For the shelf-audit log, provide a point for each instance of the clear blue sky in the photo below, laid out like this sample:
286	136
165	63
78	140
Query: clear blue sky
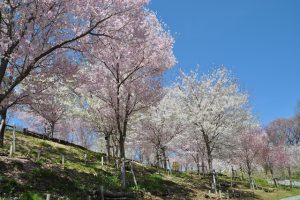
259	40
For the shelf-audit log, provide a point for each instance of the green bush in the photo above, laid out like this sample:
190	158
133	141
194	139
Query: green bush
30	196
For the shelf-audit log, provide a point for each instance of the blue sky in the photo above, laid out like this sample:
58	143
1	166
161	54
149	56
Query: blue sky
259	40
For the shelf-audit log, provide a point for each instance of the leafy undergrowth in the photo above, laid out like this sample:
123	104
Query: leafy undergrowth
36	170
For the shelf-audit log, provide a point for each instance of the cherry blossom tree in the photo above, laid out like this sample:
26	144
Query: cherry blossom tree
215	106
32	33
250	145
158	126
273	154
126	76
94	112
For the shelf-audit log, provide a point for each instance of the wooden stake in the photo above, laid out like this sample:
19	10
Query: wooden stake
14	139
134	179
38	155
11	151
63	161
123	174
102	192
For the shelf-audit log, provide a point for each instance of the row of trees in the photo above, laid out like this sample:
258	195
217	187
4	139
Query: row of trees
58	53
205	118
83	70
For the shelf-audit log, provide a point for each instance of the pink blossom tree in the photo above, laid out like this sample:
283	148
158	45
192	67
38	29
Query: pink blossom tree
249	147
32	33
273	154
126	76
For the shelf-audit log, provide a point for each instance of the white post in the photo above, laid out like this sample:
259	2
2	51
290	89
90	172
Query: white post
102	192
11	151
220	194
38	155
214	184
48	197
14	138
117	163
209	194
85	157
63	161
123	174
228	195
28	153
102	161
134	179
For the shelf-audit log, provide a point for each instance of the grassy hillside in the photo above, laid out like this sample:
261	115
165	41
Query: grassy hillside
26	177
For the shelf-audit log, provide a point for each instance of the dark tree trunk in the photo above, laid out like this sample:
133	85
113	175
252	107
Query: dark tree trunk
157	158
164	158
208	151
203	166
122	146
209	160
52	126
3	113
289	171
107	139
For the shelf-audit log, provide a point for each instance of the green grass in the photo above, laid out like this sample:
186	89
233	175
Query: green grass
31	196
27	177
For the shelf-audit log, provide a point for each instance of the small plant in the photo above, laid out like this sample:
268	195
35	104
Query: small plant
30	196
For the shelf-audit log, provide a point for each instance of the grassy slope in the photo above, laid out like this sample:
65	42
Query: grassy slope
26	177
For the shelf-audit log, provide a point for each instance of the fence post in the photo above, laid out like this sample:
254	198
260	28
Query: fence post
63	161
11	151
123	174
220	194
117	163
102	161
134	179
14	138
48	197
38	155
102	192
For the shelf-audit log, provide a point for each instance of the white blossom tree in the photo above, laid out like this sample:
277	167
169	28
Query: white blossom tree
215	106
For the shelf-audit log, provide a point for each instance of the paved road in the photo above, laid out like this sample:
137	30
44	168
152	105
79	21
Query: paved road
292	198
286	182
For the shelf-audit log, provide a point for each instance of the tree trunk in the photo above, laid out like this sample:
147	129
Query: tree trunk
122	146
107	138
208	151
209	160
197	161
122	156
52	126
203	166
274	179
157	158
164	158
289	171
3	113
